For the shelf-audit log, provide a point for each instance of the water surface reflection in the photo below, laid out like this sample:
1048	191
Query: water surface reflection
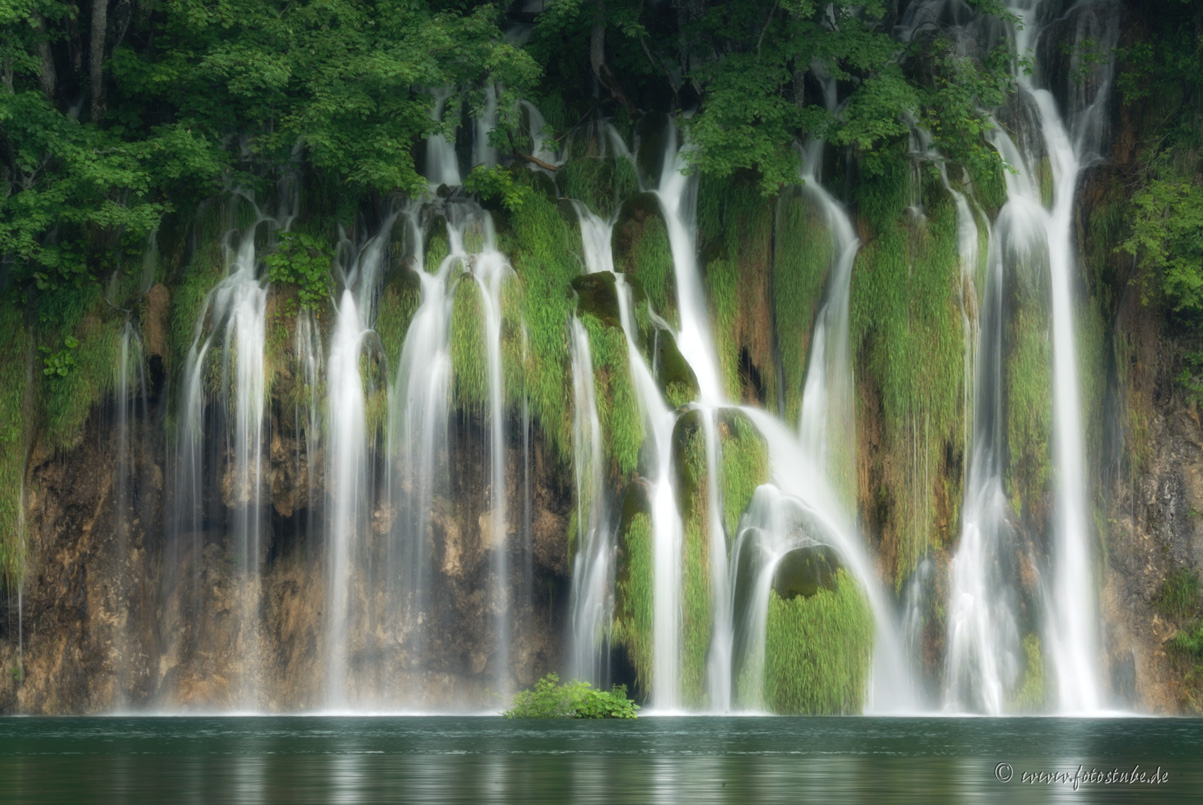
657	760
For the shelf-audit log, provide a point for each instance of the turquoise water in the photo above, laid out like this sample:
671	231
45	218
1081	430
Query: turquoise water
698	760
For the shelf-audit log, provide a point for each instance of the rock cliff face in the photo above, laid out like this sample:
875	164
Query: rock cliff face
107	620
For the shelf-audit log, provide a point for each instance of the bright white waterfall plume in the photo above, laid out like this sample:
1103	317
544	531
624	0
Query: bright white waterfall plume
234	322
827	426
419	426
442	164
984	653
419	407
1073	140
349	474
1033	235
593	571
490	270
130	409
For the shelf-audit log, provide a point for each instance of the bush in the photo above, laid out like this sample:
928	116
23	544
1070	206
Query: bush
575	699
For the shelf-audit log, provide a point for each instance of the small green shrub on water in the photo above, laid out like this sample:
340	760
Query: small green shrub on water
575	699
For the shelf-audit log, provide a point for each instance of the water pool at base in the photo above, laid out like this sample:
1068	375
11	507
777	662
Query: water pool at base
438	759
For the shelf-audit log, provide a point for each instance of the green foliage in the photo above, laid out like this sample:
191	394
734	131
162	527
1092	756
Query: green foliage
303	261
1028	379
1179	595
68	397
801	259
904	303
469	357
818	651
633	596
543	247
1167	238
398	304
60	363
498	184
575	699
602	184
745	466
642	251
735	228
692	487
617	406
1029	694
14	438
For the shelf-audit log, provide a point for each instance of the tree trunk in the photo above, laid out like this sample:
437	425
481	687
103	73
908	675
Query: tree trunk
100	20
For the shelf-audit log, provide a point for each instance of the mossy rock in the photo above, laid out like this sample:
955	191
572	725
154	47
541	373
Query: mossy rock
437	245
674	375
600	182
652	131
633	589
642	250
744	457
818	651
597	296
805	571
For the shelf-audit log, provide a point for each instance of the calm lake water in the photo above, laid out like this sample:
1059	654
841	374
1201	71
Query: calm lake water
695	760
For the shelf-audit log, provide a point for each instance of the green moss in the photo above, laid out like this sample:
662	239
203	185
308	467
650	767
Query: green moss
514	342
1179	595
745	465
633	597
674	375
905	324
689	462
723	285
642	250
398	303
735	232
68	400
1044	176
469	358
1027	378
818	651
802	257
1029	694
14	439
191	288
601	183
544	250
437	247
617	406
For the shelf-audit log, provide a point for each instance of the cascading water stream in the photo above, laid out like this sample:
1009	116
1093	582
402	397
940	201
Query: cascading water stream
985	657
1073	617
351	491
236	311
593	570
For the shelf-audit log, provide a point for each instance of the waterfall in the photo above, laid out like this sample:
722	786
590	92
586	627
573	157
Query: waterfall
349	474
130	403
593	570
828	404
442	165
235	315
1073	625
419	406
985	657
